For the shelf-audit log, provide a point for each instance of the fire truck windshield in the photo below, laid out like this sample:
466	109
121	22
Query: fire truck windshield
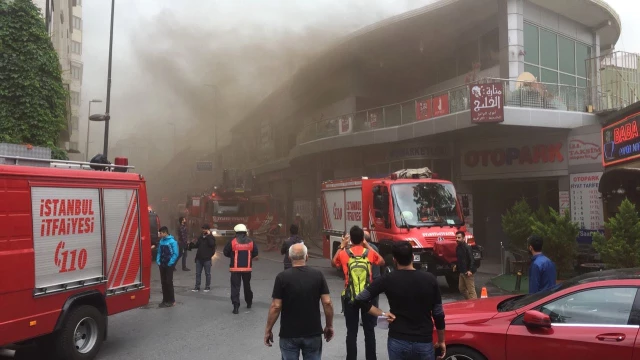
425	204
227	208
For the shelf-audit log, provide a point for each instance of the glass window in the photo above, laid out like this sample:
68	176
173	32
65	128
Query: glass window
548	76
567	49
73	145
395	166
75	97
603	306
531	44
76	72
583	53
548	49
582	82
424	204
567	79
489	49
382	169
534	70
77	23
75	122
76	47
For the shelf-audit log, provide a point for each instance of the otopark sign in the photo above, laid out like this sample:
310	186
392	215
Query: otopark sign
621	141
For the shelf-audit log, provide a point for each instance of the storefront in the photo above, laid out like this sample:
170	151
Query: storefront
383	160
621	159
495	174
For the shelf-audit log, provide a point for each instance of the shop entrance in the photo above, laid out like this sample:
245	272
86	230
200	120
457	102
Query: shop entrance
492	199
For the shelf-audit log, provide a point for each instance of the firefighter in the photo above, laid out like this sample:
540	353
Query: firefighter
241	251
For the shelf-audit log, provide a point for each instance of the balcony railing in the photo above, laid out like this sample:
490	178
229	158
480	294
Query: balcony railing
451	101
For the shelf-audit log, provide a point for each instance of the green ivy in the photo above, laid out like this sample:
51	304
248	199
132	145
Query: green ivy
621	250
32	96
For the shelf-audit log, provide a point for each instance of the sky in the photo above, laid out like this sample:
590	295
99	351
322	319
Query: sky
177	63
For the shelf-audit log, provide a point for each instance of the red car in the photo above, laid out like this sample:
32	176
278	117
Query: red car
592	316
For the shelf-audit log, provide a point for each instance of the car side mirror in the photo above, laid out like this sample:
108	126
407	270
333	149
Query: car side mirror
536	319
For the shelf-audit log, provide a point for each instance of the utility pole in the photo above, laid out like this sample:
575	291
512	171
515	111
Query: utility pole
108	104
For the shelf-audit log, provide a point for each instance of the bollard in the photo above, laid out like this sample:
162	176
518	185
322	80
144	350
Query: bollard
518	280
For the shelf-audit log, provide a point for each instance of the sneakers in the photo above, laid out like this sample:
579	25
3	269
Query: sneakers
207	289
196	289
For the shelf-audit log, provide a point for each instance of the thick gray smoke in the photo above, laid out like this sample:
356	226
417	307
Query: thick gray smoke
189	75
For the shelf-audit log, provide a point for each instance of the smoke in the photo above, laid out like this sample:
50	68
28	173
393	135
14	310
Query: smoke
186	72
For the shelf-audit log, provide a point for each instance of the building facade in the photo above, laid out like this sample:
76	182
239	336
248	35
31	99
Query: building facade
63	19
407	92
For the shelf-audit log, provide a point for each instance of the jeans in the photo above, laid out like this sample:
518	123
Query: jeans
236	278
311	348
352	318
183	254
206	265
407	350
166	279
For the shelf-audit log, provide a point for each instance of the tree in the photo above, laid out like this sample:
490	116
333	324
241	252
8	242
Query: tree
32	97
516	224
621	250
559	234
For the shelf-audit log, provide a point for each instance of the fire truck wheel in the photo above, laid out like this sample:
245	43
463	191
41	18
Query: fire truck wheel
453	281
82	334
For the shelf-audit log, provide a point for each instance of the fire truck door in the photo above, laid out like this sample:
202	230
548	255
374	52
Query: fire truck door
122	230
381	206
67	238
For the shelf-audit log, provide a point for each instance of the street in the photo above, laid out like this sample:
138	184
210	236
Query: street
201	324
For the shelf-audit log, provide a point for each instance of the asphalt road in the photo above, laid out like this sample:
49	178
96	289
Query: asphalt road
202	325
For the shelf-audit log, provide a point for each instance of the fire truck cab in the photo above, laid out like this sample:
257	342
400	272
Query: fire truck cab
74	249
410	205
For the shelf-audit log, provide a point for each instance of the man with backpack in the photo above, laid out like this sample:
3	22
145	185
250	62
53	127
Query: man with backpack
355	257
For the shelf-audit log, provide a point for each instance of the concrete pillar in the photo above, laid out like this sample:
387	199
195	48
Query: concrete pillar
511	24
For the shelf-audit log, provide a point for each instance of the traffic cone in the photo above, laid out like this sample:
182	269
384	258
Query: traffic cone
483	293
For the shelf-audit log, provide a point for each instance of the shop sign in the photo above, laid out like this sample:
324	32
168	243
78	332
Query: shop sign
345	124
587	209
440	105
509	158
418	151
486	103
565	201
423	109
584	149
621	141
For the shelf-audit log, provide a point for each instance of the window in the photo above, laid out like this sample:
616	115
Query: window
76	71
567	55
76	47
77	2
603	306
77	23
75	122
73	145
531	44
75	98
548	50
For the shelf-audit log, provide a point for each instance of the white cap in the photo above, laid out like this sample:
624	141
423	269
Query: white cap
240	228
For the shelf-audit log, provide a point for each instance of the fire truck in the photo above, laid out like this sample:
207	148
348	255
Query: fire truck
225	208
74	249
410	205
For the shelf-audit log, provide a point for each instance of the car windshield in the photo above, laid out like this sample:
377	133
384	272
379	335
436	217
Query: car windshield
227	208
519	301
425	204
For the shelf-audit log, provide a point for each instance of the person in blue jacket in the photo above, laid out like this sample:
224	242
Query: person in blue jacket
166	258
542	272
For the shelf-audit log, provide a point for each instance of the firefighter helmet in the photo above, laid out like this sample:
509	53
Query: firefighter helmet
240	228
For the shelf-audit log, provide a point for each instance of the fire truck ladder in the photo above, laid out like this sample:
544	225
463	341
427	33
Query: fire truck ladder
65	164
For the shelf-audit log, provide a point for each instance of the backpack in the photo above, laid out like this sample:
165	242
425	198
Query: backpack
359	270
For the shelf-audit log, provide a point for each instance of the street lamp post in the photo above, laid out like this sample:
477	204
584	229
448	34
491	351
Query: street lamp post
86	147
108	104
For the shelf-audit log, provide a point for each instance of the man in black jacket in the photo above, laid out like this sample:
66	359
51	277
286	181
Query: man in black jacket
466	267
206	245
294	239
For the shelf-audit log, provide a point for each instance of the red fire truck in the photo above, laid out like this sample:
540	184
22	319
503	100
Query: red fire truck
409	205
226	208
74	249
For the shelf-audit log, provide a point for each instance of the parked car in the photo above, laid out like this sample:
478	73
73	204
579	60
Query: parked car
592	316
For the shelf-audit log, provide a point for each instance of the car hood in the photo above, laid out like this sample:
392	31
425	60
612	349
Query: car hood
472	311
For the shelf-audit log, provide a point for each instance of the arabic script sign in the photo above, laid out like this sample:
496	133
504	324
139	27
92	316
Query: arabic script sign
486	103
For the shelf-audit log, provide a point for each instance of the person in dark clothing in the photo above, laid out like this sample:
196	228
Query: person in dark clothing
206	245
166	260
292	240
466	267
183	242
542	271
296	293
242	251
415	306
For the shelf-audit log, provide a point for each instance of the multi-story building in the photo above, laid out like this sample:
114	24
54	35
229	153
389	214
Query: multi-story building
403	93
63	19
